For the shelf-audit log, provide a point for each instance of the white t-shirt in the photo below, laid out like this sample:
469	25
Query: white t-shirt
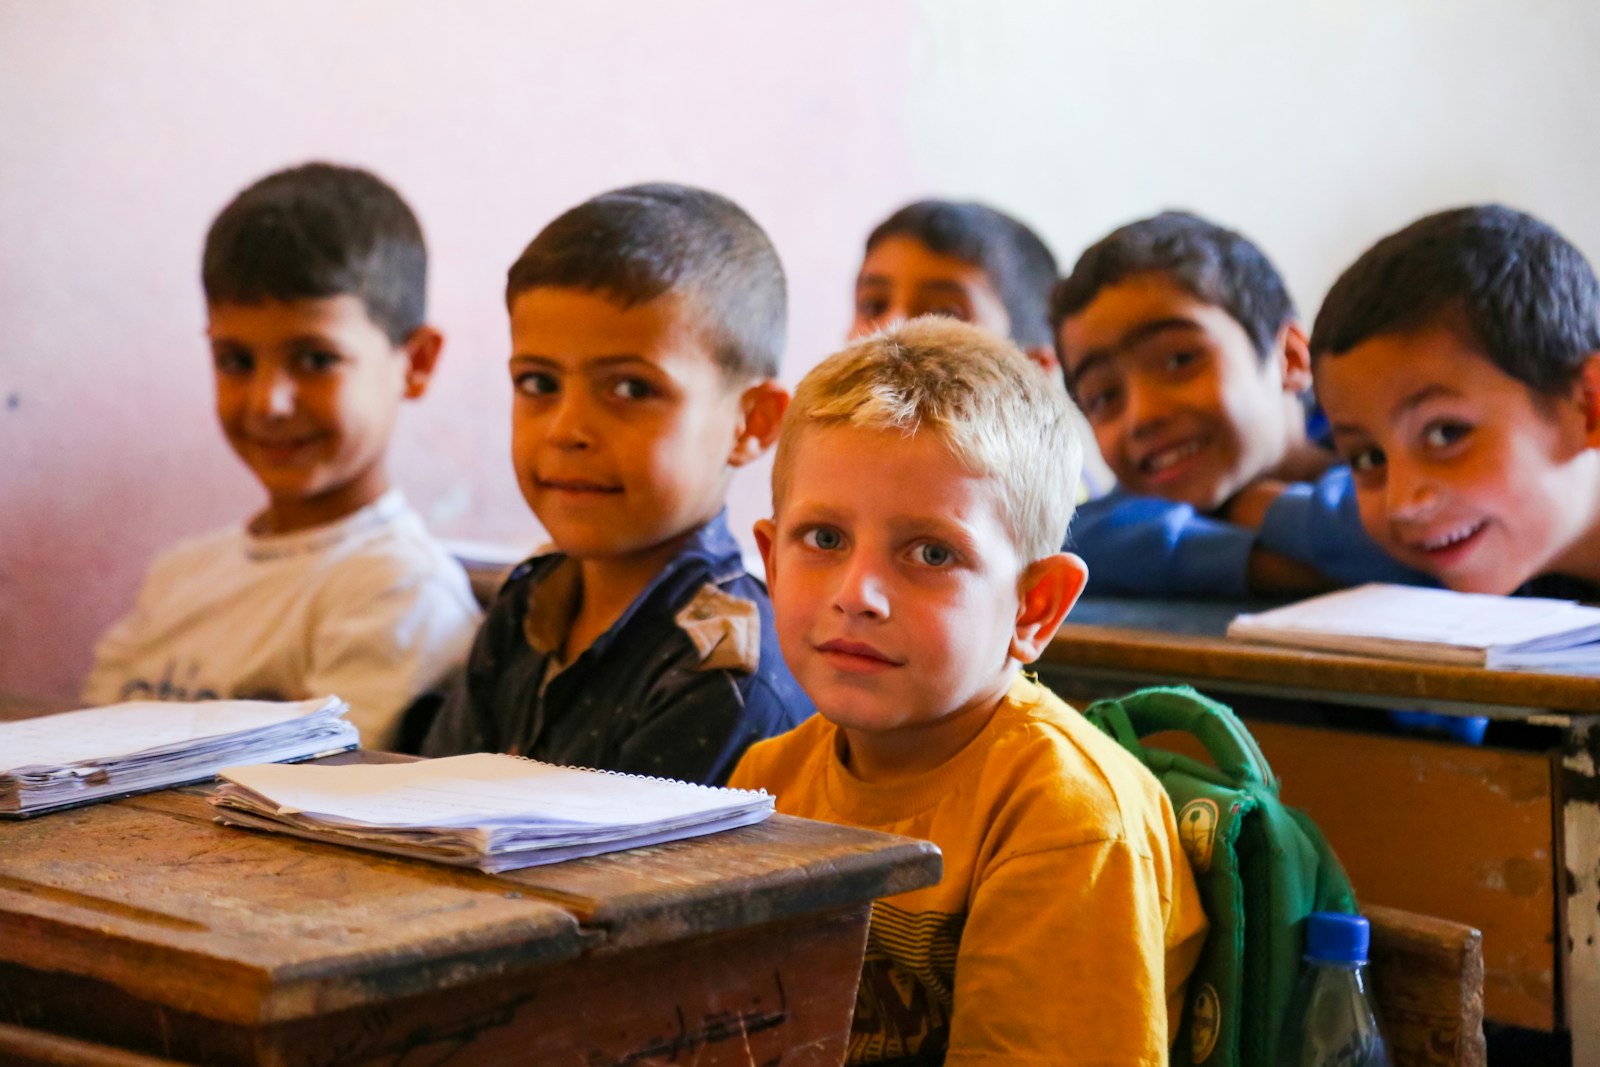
368	608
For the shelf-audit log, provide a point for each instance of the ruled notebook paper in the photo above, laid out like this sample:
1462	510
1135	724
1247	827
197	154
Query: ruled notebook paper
490	811
75	757
1437	625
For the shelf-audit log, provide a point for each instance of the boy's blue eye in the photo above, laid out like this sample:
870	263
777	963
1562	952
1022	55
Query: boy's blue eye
1444	433
534	383
824	538
934	555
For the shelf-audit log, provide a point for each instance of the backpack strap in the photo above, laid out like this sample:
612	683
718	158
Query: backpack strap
1151	711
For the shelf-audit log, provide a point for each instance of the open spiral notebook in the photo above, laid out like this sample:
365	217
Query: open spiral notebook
493	812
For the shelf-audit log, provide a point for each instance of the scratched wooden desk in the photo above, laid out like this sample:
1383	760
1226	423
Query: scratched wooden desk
1504	840
142	925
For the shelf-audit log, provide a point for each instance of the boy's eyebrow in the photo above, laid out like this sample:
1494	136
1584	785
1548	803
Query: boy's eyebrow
939	285
1134	337
597	363
1420	397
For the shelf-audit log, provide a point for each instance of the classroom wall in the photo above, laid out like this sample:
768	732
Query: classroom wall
126	124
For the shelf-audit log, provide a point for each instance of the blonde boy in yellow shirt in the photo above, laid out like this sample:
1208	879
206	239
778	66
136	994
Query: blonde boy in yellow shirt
919	504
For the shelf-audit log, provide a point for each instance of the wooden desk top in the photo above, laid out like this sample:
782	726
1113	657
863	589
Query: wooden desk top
1183	642
151	896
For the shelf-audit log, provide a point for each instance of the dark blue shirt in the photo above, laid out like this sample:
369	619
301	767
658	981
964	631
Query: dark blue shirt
659	693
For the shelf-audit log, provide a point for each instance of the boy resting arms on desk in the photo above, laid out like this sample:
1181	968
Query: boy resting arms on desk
1459	362
315	279
914	564
646	328
1180	343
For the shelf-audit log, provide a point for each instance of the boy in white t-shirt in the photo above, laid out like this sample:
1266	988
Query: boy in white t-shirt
314	280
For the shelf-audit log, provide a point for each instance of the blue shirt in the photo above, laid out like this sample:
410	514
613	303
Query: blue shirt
679	686
1149	546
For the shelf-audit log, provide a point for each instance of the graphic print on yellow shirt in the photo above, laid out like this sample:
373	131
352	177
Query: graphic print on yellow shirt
907	990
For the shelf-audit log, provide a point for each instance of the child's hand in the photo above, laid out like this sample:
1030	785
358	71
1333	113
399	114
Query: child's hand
1273	575
1248	507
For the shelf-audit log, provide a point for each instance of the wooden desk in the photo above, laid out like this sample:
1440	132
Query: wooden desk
143	925
1507	841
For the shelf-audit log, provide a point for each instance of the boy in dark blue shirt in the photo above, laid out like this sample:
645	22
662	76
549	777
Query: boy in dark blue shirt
646	326
1180	343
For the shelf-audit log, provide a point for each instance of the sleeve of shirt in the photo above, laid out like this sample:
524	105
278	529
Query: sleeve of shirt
1319	524
1147	546
1063	961
383	638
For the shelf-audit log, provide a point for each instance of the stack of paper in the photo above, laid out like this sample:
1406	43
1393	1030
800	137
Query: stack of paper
56	761
1407	622
493	812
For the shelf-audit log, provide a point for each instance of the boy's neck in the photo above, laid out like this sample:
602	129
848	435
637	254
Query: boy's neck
610	585
1582	560
285	515
891	755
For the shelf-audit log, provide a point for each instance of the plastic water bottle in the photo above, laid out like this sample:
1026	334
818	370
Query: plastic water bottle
1330	1021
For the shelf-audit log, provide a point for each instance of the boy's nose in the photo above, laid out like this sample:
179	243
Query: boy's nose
1144	409
1410	494
272	394
862	591
570	424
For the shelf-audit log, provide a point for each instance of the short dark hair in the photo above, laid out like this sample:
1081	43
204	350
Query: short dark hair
321	230
636	244
1018	263
1526	297
1212	263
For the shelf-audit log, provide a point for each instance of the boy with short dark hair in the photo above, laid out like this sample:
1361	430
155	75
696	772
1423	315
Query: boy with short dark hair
315	281
646	328
1459	362
915	565
1180	343
965	261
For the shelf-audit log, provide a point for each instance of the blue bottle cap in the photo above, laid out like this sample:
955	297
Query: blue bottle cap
1335	938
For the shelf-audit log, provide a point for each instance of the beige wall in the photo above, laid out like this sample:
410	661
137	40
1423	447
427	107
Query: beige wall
125	124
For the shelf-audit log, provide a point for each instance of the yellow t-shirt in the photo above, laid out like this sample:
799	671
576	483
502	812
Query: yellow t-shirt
1066	921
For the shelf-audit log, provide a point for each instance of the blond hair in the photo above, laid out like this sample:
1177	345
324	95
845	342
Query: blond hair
999	415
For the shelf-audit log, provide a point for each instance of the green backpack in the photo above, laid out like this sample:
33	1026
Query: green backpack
1261	868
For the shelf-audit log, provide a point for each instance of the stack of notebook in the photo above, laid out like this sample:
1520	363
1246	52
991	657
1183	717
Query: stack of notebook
1406	622
56	761
493	812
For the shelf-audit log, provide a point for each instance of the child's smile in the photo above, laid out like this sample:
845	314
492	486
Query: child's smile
1461	470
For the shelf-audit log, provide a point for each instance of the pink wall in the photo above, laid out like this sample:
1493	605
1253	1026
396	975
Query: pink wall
129	123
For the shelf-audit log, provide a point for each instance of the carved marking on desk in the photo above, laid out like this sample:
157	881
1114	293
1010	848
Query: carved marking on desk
426	1046
714	1028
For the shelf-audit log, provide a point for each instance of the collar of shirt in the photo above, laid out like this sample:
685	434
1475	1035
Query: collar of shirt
711	555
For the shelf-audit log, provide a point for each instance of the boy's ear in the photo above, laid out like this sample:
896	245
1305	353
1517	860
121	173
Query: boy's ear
1589	383
766	530
761	413
1046	592
1294	350
1045	358
422	356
